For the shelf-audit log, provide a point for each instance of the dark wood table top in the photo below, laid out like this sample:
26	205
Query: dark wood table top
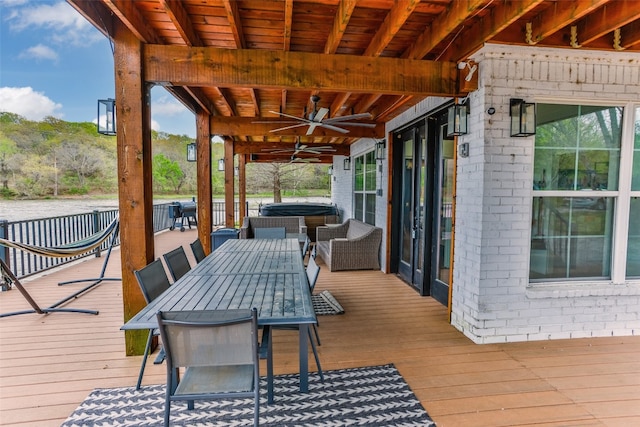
241	273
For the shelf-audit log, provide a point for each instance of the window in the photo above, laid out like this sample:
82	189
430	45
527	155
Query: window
633	246
577	186
365	188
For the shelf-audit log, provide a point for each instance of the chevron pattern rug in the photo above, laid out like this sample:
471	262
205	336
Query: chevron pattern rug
372	396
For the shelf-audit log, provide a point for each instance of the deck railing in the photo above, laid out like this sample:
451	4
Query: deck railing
62	230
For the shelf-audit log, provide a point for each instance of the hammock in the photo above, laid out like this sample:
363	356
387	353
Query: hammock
67	250
70	249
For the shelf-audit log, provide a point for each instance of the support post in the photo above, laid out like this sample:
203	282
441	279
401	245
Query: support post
203	178
229	188
135	190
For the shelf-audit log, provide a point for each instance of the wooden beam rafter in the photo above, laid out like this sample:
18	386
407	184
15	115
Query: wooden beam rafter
206	66
129	15
242	126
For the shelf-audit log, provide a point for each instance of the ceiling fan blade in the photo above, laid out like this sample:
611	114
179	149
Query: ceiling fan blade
300	119
320	115
332	127
349	117
362	125
312	127
288	127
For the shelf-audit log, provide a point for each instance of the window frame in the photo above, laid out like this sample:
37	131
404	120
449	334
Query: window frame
621	197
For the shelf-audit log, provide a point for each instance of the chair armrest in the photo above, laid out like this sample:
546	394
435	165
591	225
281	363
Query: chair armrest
302	225
244	230
359	253
328	232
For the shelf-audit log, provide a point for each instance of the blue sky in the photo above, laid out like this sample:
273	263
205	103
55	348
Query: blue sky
54	63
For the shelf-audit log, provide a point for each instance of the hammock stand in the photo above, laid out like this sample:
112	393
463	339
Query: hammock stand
76	248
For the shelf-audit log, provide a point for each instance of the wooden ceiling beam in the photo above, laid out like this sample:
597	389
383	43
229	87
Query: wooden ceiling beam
127	12
629	35
235	24
612	15
288	24
489	26
340	22
180	18
393	22
201	99
241	126
558	16
207	66
442	27
96	13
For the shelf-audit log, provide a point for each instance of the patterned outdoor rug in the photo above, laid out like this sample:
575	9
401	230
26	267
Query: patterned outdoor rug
372	396
325	303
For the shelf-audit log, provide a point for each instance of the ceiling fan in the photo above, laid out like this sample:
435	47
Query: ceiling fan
302	148
295	159
317	119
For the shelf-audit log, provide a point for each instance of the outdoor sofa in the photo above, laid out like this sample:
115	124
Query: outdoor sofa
352	245
292	224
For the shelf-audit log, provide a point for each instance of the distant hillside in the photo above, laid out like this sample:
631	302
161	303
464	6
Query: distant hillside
54	158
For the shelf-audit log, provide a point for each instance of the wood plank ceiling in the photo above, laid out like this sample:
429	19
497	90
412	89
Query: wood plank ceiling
243	60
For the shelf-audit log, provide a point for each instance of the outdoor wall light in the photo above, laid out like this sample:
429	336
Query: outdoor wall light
191	152
346	164
457	121
107	116
330	170
380	148
523	117
220	165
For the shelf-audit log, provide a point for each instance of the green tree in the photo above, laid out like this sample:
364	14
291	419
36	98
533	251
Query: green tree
167	174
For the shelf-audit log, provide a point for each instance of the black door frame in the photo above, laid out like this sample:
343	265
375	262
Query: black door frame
430	285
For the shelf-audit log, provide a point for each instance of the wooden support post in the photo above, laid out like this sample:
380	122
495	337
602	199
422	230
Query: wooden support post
229	190
242	186
205	214
135	190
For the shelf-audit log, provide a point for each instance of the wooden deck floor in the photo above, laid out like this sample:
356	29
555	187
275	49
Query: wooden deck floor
48	364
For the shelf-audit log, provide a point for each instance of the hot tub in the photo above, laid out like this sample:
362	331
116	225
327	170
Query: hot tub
314	214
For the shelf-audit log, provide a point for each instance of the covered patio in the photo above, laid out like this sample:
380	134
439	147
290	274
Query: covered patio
49	364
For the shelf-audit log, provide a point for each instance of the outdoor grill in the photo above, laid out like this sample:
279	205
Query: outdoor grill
181	211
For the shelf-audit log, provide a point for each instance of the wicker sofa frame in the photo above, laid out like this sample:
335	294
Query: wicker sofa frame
292	224
352	245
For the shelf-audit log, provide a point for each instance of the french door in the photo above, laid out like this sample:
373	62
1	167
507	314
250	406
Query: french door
423	179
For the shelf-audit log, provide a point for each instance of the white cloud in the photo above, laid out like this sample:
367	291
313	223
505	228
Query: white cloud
67	25
28	103
155	125
39	51
167	107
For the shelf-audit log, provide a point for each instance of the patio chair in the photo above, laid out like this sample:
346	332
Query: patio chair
305	247
270	233
312	270
153	282
198	250
218	350
177	263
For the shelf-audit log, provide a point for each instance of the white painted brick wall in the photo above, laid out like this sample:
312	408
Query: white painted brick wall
492	300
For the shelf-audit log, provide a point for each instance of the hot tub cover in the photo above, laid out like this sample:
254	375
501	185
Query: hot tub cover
298	209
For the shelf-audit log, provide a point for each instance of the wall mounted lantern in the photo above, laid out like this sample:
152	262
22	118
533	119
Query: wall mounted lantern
457	120
346	164
220	165
380	148
107	116
330	170
191	152
523	117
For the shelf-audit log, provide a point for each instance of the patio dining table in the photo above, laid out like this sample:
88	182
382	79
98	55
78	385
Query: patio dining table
241	274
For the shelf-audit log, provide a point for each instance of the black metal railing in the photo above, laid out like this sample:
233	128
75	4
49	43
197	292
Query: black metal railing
67	229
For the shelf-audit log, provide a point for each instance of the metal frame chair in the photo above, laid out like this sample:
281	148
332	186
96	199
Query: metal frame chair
153	282
198	250
177	262
218	353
